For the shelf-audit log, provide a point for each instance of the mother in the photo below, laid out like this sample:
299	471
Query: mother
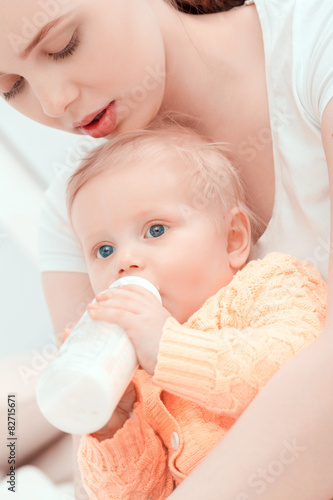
259	77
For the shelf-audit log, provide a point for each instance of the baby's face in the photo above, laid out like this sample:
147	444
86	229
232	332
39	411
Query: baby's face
139	220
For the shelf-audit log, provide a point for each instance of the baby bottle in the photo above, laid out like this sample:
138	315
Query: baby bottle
81	387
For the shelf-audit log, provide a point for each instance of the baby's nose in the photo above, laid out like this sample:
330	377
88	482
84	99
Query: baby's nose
123	269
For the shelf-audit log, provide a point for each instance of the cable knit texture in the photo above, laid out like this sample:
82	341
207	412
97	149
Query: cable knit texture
208	371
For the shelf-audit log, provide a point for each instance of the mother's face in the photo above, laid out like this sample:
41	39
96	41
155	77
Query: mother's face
64	62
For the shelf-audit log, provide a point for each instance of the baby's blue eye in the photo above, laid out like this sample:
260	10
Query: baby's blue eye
104	251
156	230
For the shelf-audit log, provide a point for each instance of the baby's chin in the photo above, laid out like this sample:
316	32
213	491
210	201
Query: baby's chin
181	316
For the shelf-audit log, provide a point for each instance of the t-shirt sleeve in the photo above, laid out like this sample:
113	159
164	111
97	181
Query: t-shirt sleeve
314	30
59	249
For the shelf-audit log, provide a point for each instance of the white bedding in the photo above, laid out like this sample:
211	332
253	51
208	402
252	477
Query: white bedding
32	484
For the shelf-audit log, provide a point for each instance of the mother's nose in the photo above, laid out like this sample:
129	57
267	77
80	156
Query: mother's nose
55	97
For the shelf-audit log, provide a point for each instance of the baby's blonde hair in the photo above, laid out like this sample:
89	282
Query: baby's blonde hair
209	176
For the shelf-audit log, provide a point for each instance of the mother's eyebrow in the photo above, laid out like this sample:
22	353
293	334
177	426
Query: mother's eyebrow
41	35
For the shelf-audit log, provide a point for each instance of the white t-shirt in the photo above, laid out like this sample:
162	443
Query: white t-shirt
298	41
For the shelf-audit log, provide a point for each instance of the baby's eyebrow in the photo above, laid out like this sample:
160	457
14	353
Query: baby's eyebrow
41	35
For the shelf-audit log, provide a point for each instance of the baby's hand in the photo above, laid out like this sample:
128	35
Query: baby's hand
119	416
140	314
65	334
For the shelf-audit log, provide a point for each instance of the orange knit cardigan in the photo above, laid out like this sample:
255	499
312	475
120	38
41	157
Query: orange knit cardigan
208	371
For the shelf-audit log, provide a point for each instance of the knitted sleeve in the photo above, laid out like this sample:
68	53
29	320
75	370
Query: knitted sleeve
132	464
228	350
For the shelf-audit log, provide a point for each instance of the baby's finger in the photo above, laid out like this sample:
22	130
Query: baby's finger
140	290
65	334
118	316
119	301
104	296
125	298
136	289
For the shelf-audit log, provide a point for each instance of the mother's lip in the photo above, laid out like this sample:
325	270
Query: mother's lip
88	119
105	124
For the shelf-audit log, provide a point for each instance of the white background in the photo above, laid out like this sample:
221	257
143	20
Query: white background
29	155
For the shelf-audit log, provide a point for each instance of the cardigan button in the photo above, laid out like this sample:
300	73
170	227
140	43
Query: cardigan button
175	440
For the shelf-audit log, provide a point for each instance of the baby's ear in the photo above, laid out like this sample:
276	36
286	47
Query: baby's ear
238	237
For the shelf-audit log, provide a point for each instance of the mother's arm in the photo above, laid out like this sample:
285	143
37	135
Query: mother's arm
282	445
67	294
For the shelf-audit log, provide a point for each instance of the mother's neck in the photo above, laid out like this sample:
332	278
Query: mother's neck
211	64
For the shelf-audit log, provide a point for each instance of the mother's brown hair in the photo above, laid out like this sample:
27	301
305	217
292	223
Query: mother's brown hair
206	6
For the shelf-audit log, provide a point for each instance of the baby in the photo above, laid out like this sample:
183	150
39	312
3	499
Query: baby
166	205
